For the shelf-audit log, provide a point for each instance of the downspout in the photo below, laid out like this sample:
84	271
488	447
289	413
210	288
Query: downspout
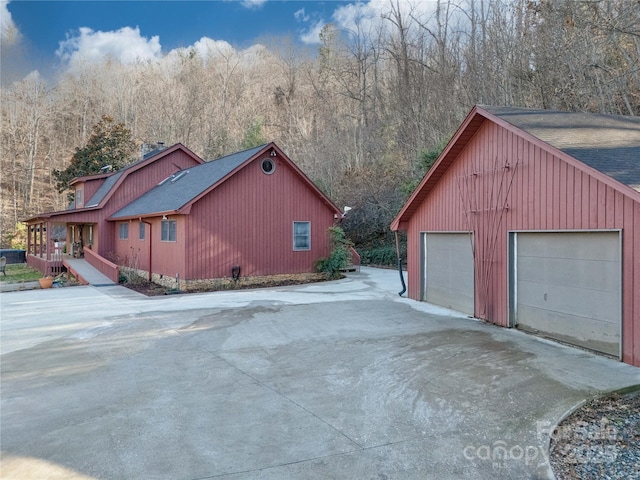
404	287
150	244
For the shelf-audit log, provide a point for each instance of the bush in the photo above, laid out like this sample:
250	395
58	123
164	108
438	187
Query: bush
340	256
386	256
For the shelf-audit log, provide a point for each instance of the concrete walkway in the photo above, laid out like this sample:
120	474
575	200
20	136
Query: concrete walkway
87	273
336	380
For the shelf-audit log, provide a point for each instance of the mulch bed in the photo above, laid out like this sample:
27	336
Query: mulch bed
152	289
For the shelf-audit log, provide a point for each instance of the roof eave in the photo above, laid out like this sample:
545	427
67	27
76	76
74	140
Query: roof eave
186	208
401	221
603	177
127	171
139	216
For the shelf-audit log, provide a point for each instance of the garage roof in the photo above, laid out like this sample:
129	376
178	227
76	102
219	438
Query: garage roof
609	144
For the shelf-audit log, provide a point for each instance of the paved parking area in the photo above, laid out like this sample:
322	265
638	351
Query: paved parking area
339	380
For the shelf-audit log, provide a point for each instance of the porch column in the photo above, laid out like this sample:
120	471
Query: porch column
48	245
29	242
40	240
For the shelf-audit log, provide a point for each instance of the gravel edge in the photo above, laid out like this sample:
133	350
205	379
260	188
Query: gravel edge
600	439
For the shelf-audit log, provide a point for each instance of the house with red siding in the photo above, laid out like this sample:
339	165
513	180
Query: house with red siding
83	230
250	214
531	219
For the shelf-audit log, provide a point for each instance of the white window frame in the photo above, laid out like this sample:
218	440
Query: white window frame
297	247
123	231
165	232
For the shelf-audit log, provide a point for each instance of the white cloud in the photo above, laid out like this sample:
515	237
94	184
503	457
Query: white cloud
350	16
253	4
9	33
208	48
301	16
371	15
311	35
125	45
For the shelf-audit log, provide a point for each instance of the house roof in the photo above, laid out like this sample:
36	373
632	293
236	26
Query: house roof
183	188
108	186
112	180
607	145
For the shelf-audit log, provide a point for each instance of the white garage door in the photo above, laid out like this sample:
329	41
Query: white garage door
568	287
448	270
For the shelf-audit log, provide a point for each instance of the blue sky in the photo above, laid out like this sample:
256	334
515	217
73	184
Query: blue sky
52	36
155	27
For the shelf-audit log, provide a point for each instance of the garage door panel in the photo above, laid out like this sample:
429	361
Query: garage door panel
595	335
586	274
591	274
449	271
569	300
565	245
568	286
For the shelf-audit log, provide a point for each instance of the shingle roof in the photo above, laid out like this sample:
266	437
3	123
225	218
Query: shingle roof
608	143
104	189
183	186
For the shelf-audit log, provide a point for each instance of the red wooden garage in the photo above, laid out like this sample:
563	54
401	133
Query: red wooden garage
531	219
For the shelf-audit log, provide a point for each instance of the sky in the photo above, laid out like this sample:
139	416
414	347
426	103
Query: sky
49	36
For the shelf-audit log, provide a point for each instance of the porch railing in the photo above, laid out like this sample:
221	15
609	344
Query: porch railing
355	258
51	266
101	264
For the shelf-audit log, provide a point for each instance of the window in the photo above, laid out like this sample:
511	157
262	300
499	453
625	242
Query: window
168	231
123	231
302	235
268	166
79	199
141	231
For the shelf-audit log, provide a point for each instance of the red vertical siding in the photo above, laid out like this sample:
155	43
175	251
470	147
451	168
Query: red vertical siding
134	185
169	257
248	221
547	194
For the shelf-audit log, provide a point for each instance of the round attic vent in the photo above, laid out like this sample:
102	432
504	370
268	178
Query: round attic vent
268	166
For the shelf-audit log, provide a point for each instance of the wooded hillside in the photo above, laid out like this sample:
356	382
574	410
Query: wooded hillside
359	115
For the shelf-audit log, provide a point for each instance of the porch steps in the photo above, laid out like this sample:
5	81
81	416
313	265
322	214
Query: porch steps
86	274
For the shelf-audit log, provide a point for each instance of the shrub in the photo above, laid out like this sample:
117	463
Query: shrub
386	256
340	256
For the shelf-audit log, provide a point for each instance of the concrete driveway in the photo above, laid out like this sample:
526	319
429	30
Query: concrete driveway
339	380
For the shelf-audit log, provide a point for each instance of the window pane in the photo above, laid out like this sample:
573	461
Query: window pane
168	231
124	231
301	235
141	230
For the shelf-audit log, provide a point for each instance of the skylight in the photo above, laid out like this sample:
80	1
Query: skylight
179	175
175	177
